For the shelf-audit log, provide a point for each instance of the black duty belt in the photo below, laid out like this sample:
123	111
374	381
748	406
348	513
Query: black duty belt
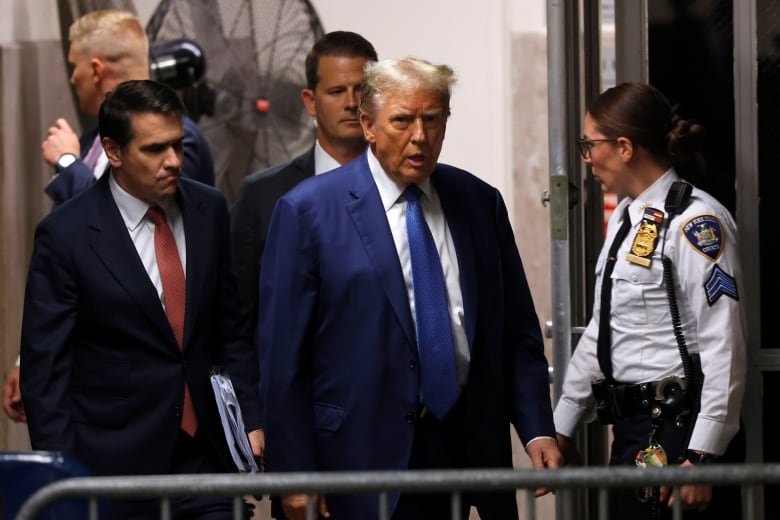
616	401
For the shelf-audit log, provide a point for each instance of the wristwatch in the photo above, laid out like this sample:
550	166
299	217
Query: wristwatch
700	458
65	160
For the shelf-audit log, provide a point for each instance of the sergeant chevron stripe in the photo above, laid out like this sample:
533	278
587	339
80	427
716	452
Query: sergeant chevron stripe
720	283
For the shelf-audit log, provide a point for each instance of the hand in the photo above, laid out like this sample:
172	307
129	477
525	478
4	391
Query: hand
62	139
544	453
12	397
295	506
571	455
257	442
696	497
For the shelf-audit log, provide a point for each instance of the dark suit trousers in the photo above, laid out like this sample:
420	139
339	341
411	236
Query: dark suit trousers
192	455
440	444
437	444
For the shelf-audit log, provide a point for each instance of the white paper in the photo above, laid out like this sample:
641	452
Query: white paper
232	422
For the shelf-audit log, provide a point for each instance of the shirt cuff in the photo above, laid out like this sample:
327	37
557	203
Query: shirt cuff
537	438
567	417
711	436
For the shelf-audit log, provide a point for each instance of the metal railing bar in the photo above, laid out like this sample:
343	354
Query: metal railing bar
93	509
530	504
165	508
603	504
238	508
397	481
455	506
383	514
677	507
747	498
310	507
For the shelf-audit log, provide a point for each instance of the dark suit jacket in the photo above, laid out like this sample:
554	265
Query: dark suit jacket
251	216
197	165
103	377
338	348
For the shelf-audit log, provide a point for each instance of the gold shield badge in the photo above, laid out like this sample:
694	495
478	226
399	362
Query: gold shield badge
646	237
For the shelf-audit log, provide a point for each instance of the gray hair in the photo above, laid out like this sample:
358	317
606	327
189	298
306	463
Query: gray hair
402	77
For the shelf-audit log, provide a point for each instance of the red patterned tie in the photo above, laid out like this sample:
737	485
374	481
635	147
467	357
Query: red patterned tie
174	296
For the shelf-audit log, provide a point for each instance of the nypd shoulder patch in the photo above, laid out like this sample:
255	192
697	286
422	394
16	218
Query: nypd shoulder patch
720	283
705	235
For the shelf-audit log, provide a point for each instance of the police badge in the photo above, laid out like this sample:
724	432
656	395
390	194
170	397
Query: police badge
646	237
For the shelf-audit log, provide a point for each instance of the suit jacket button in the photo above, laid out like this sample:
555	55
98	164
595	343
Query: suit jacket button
410	417
412	364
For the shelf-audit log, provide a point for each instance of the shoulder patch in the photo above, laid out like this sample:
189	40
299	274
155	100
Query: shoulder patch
720	283
705	235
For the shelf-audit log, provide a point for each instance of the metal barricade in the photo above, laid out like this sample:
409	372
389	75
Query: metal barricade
383	482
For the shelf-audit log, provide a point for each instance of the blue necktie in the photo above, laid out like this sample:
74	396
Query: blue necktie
434	335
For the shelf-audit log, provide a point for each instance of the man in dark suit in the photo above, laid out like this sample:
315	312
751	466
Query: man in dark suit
117	342
357	376
107	47
334	70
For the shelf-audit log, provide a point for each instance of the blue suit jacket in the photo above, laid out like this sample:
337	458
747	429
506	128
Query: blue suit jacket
197	165
103	377
337	339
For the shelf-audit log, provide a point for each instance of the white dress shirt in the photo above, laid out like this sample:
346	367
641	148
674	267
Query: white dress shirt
141	230
395	210
323	162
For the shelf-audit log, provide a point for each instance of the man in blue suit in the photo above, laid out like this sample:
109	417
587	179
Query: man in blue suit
348	382
117	346
107	47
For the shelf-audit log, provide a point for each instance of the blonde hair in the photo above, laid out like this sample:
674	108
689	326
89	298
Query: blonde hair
114	36
404	76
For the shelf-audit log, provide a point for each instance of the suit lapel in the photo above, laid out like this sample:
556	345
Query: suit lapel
370	221
110	241
457	215
197	239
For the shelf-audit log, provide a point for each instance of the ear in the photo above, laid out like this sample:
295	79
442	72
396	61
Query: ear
368	128
307	96
113	152
626	148
98	70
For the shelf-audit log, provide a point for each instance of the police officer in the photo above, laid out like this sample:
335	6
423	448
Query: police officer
667	372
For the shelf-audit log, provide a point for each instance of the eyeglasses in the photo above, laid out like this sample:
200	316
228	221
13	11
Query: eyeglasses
586	145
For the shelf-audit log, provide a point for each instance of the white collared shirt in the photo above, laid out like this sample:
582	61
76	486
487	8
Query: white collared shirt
141	230
323	161
395	210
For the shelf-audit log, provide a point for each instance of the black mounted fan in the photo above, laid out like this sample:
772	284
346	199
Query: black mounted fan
248	101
